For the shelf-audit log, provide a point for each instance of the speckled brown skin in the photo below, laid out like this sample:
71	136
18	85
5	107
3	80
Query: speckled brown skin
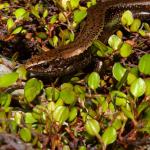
102	20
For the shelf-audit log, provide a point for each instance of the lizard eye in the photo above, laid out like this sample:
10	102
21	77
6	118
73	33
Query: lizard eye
45	65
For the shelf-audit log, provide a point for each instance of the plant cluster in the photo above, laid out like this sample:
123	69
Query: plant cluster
98	110
40	24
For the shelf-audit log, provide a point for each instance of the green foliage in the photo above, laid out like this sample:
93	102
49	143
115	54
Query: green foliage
114	41
17	30
73	114
68	96
32	88
94	80
143	64
118	71
10	24
20	13
135	25
94	107
92	127
61	114
79	15
125	50
25	134
127	18
109	136
5	99
138	87
8	79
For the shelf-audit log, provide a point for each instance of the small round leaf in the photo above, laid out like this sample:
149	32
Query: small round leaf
147	82
125	50
68	96
109	136
94	80
135	25
138	87
79	15
127	18
32	88
114	42
61	114
143	64
8	79
25	134
118	71
92	127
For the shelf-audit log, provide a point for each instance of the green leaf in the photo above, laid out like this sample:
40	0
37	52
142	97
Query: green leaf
59	102
73	114
127	18
138	87
66	147
29	118
146	26
25	134
79	89
74	3
131	77
109	136
142	32
142	107
13	126
104	106
61	114
51	107
19	13
114	42
5	99
18	117
52	93
42	35
91	3
79	15
118	71
53	19
39	112
45	14
111	107
125	50
32	88
10	24
35	12
102	48
4	6
17	30
55	40
8	79
143	64
94	80
68	96
62	17
117	124
67	86
147	113
119	98
22	72
128	113
92	127
147	91
135	25
82	148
